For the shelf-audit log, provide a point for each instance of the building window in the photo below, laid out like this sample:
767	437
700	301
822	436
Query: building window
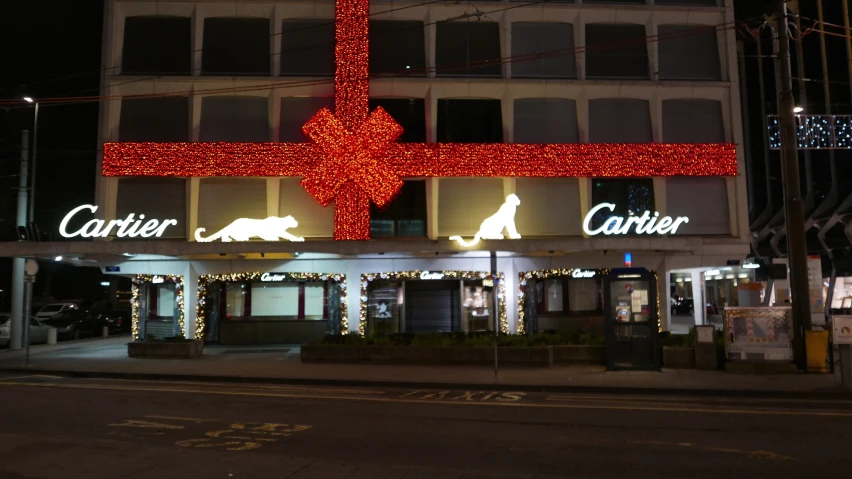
410	113
234	118
295	112
155	198
553	41
307	47
631	196
470	121
688	52
154	119
464	202
619	120
235	46
468	49
405	216
538	214
157	45
693	121
223	200
545	120
397	47
616	51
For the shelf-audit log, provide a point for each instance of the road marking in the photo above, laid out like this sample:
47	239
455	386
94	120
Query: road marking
145	424
446	396
420	401
758	454
31	376
240	437
189	419
687	399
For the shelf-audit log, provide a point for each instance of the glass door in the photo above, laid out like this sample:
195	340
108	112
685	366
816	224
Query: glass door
631	318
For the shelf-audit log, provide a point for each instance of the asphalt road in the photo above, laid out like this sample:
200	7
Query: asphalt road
85	428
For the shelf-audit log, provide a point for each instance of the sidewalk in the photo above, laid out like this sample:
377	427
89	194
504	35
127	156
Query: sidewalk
281	364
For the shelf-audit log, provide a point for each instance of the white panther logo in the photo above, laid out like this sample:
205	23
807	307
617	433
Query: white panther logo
492	227
243	229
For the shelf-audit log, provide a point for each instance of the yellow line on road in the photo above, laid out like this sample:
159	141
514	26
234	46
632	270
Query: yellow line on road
759	453
764	412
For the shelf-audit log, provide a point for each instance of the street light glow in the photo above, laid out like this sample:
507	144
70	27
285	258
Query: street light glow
58	258
798	109
28	99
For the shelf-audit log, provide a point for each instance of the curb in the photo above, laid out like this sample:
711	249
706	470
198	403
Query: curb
837	393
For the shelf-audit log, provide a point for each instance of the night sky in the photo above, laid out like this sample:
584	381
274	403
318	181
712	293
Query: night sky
52	49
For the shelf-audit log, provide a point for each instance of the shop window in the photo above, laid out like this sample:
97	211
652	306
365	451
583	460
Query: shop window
470	121
616	51
584	294
161	319
266	301
630	196
315	220
410	113
464	202
397	47
275	299
545	120
538	215
234	118
295	112
235	46
307	47
384	307
555	41
158	198
468	49
693	121
154	119
619	120
566	296
688	52
405	216
157	45
223	200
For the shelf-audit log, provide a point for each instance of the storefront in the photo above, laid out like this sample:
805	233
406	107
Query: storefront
561	299
270	307
431	302
157	306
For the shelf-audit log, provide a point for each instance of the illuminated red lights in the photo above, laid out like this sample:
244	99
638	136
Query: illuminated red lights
353	158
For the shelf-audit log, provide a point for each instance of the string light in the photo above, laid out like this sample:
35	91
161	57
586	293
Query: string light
545	274
815	132
135	299
205	280
416	275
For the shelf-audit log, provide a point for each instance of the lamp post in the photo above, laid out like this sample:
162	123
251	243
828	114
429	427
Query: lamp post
31	214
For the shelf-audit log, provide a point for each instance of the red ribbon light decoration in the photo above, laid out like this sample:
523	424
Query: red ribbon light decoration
353	157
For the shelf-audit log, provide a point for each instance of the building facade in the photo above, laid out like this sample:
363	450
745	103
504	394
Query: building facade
213	142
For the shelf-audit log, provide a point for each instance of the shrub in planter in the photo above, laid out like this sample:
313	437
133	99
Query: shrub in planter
176	347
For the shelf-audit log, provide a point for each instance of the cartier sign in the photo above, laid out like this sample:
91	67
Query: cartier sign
646	223
130	227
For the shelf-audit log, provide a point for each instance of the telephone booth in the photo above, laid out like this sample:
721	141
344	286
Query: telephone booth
630	307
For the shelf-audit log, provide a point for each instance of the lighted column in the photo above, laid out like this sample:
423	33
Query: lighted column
698	296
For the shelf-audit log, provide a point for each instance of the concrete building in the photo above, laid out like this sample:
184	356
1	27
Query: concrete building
624	73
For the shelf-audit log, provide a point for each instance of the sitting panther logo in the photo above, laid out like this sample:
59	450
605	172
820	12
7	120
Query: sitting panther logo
243	229
492	227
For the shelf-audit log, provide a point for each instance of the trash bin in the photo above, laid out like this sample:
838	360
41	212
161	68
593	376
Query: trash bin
51	336
816	343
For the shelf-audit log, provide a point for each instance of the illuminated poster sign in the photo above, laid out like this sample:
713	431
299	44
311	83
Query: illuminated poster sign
129	227
646	223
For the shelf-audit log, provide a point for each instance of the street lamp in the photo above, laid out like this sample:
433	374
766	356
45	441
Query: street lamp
31	213
798	109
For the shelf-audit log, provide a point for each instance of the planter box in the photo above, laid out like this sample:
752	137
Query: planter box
679	358
579	354
321	353
165	349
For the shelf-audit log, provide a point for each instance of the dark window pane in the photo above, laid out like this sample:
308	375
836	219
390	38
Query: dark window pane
616	51
162	198
470	121
295	112
235	46
307	47
410	113
154	119
688	52
234	118
630	196
619	120
157	45
545	120
693	121
405	215
468	49
532	38
397	47
688	3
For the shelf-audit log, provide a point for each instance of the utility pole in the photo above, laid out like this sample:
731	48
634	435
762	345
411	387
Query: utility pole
796	248
16	329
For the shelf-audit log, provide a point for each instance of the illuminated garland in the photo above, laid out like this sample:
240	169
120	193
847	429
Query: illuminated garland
205	280
543	274
135	294
415	275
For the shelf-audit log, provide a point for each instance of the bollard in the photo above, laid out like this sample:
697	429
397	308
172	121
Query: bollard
51	336
105	332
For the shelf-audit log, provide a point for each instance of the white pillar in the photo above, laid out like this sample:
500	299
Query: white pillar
510	280
698	297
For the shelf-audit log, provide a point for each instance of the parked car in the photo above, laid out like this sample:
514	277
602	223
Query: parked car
53	309
72	323
683	306
117	320
38	330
